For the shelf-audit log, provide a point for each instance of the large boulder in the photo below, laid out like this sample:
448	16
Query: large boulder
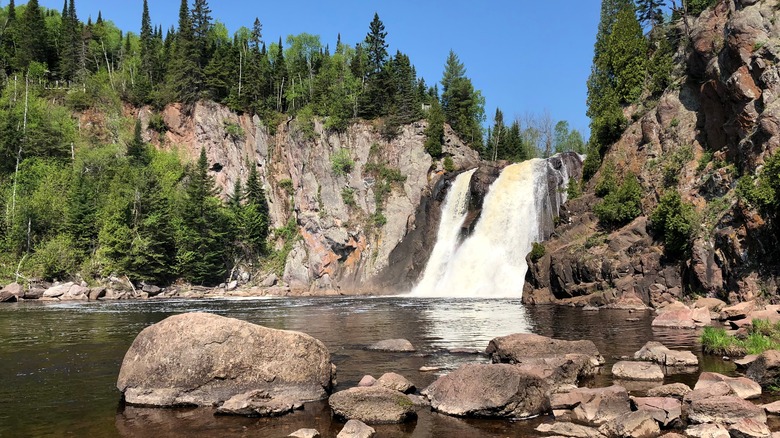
567	369
665	410
737	311
7	297
630	370
592	406
765	369
489	390
14	289
203	359
514	348
678	317
372	405
656	352
723	410
742	387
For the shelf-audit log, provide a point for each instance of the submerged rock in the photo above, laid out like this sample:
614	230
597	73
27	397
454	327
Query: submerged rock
203	359
393	345
372	405
637	371
489	390
258	403
356	429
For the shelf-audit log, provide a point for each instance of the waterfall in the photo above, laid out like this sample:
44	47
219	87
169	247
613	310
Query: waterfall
517	211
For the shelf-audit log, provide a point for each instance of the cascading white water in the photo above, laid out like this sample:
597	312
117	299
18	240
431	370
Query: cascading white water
453	213
491	261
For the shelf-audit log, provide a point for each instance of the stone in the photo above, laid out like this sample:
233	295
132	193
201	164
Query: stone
675	318
305	433
676	390
203	359
592	406
67	291
772	408
569	430
14	289
95	293
367	380
711	304
489	390
665	410
418	400
716	389
257	403
372	405
737	311
656	352
638	424
356	429
269	281
396	382
745	362
765	369
521	346
151	289
749	428
629	370
561	370
233	285
57	291
34	293
723	410
7	297
742	387
707	431
393	345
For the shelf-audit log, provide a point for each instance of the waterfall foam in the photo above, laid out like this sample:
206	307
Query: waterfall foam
491	261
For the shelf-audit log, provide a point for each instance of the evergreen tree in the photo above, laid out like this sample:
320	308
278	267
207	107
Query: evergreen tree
32	37
186	75
434	132
136	149
146	43
279	76
81	214
649	12
201	25
374	100
464	107
8	39
255	218
152	253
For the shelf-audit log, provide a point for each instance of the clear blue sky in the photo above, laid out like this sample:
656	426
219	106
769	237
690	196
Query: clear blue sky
525	55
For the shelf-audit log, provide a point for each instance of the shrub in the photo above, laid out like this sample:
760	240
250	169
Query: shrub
715	340
287	185
621	206
156	123
348	196
573	190
56	258
607	182
378	219
233	130
763	335
674	220
537	252
449	166
341	162
675	163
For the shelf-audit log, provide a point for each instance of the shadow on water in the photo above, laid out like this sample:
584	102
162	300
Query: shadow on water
60	361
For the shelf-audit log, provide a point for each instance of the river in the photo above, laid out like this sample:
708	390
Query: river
59	361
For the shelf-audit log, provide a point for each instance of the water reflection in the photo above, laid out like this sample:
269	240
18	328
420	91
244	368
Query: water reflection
60	361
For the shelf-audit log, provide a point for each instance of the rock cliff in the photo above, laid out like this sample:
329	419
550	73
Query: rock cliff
719	121
353	197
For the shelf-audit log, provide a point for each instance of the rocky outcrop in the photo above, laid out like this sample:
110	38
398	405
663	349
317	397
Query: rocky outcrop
719	121
203	359
489	390
765	369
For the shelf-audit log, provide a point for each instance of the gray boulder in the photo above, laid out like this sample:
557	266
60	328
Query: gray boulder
14	289
676	390
372	405
707	430
203	359
7	297
656	352
393	345
367	380
305	433
396	382
521	346
592	406
489	390
356	429
629	370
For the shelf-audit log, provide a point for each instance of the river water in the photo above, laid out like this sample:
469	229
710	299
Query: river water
59	361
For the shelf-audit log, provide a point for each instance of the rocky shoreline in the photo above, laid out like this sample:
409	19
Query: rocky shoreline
529	376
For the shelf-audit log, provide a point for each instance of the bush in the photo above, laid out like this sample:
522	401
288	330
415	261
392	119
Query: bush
674	220
675	163
763	335
233	130
287	185
573	190
537	252
607	182
621	206
348	196
56	258
156	123
449	166
341	162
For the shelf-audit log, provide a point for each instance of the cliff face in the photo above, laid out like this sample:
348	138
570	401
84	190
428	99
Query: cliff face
721	120
350	217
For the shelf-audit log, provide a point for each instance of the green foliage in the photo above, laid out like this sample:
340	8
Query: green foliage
596	239
448	164
537	252
233	130
341	162
762	335
763	192
696	7
674	164
463	106
592	163
621	205
56	259
434	132
573	189
348	196
661	62
287	185
675	221
157	123
715	340
378	219
704	160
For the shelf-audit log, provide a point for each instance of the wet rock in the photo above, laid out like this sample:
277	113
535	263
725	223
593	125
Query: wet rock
396	382
367	380
765	369
749	428
676	390
656	352
418	400
723	410
665	410
716	389
34	293
305	433
356	429
204	359
95	293
7	297
489	390
741	387
57	291
151	289
372	405
393	345
592	406
518	347
258	403
638	424
568	369
567	429
637	371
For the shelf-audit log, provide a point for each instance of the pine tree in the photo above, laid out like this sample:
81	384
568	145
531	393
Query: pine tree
201	25
186	75
32	38
464	107
70	34
649	12
146	40
434	133
255	214
152	253
136	149
375	98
